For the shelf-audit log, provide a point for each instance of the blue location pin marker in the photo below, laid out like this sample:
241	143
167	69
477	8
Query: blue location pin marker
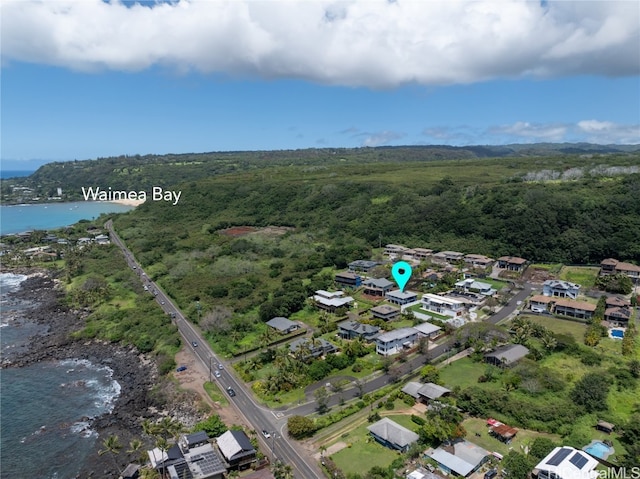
401	272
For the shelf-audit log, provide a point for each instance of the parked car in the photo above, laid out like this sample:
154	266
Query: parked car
181	368
231	391
266	434
491	474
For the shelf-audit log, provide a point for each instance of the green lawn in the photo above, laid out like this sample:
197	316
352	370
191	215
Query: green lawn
362	452
560	326
463	373
585	276
497	285
491	444
215	394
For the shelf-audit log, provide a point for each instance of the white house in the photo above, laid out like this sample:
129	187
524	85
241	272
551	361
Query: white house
470	285
441	305
567	463
392	342
331	301
560	289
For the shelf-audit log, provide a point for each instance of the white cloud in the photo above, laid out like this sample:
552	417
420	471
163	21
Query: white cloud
608	132
532	132
374	43
382	138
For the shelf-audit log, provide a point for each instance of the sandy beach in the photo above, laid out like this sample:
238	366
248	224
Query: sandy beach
128	202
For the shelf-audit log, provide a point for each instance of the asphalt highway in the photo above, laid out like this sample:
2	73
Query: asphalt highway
260	418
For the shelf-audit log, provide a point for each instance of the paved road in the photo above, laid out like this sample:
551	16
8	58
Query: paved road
262	418
259	417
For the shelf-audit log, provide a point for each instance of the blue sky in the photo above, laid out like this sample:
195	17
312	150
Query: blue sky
86	78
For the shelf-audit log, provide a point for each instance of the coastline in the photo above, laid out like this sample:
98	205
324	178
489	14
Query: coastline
127	202
143	394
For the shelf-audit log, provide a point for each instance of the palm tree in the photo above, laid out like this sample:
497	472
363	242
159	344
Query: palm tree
111	445
135	447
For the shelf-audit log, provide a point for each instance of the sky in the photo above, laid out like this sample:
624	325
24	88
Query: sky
83	79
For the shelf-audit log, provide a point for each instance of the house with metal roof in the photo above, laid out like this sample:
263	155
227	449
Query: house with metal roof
566	463
442	305
191	457
353	329
462	459
507	355
348	279
283	325
391	434
385	312
427	330
236	448
471	285
425	392
560	289
377	286
396	340
330	301
401	297
362	266
312	348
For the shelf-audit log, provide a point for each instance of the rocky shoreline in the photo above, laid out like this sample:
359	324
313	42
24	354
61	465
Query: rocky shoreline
136	374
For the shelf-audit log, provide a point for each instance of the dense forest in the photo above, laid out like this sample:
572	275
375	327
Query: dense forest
560	209
142	172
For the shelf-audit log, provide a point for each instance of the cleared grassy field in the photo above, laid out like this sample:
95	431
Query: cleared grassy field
585	276
560	326
362	452
463	373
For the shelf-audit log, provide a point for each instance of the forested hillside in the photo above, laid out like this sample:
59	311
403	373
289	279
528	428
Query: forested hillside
575	212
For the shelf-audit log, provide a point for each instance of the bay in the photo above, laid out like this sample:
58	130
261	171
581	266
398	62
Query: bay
46	216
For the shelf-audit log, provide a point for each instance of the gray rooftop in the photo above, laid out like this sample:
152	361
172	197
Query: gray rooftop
359	327
280	323
393	432
378	283
401	294
432	390
509	353
394	334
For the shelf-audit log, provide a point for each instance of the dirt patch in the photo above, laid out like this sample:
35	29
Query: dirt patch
193	379
237	231
533	275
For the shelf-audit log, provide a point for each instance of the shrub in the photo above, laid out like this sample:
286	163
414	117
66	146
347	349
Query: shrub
418	420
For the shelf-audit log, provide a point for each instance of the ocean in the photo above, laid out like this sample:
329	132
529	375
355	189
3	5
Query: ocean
46	407
45	216
5	174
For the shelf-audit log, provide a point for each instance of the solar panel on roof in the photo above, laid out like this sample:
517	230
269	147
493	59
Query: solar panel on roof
578	460
559	456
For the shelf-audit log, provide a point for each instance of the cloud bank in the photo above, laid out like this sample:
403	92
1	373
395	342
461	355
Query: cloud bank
372	43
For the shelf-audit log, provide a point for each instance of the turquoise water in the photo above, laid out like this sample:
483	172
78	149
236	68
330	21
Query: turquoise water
598	449
45	216
617	333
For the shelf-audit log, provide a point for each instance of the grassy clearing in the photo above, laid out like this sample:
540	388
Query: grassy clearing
215	394
560	326
524	437
585	276
497	285
463	373
362	452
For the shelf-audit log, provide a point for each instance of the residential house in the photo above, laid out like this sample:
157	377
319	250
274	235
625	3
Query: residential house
353	329
102	239
362	266
237	450
539	303
312	348
506	355
442	305
470	285
425	392
422	254
330	301
427	330
421	473
401	297
462	459
283	325
348	280
377	286
613	266
385	312
447	257
574	309
560	289
512	263
394	250
565	462
478	260
619	316
192	456
617	302
503	432
391	434
396	340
